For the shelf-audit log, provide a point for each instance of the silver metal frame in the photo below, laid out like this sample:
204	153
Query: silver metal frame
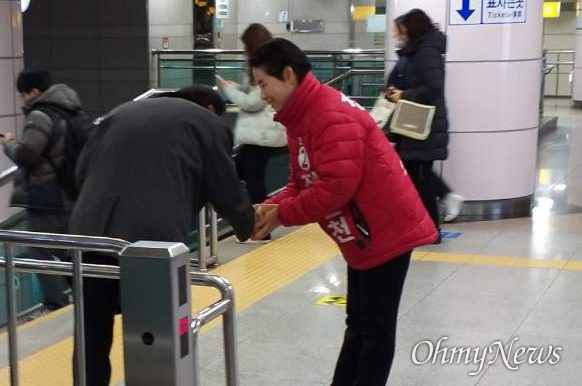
348	54
77	269
557	65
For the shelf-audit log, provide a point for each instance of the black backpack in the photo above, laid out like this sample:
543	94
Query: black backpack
78	129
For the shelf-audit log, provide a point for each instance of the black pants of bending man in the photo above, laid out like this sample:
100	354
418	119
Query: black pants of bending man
102	303
372	312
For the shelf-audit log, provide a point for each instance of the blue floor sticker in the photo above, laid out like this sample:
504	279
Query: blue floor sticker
450	235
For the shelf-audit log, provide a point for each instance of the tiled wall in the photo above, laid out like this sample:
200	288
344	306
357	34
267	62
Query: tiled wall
10	65
335	14
98	47
171	19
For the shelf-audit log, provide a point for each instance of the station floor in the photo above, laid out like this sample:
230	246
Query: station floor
488	284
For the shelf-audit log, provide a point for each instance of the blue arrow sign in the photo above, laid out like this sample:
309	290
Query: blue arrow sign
465	12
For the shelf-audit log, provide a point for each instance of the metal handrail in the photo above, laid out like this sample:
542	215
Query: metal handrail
223	307
50	240
557	65
334	56
8	175
349	73
61	241
561	51
218	51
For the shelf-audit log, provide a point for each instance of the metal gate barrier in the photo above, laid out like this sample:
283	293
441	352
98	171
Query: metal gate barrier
159	348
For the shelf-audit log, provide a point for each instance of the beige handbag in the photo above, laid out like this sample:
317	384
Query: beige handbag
412	120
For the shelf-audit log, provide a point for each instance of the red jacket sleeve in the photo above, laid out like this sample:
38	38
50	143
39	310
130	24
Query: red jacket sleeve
337	155
289	191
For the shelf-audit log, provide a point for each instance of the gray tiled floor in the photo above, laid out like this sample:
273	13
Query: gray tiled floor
286	339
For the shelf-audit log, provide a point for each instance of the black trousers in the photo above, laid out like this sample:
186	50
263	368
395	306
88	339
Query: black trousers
372	311
441	188
423	178
102	303
251	165
50	221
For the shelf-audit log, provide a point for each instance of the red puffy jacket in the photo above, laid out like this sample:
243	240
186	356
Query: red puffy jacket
346	176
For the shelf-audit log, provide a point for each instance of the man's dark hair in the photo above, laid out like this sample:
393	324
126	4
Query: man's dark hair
201	95
273	56
33	79
415	23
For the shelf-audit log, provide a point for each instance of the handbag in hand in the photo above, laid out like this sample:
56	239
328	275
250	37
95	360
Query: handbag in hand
412	120
382	110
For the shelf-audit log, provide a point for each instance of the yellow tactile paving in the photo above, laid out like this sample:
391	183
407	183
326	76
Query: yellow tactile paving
254	276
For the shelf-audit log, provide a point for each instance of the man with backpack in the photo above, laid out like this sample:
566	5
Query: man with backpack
45	155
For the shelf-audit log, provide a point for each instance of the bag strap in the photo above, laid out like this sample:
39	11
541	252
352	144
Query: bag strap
54	112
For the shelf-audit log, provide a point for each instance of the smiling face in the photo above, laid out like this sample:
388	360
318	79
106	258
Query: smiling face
275	91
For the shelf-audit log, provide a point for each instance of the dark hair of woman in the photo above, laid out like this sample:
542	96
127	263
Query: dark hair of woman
415	24
253	37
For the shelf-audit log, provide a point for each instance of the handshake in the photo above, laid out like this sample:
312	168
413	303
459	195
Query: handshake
266	219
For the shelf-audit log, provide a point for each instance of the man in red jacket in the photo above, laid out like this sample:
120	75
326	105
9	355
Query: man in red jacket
345	176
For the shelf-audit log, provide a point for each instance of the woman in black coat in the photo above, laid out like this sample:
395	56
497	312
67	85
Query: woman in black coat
419	76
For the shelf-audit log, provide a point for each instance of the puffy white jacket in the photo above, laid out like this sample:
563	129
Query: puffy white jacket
255	124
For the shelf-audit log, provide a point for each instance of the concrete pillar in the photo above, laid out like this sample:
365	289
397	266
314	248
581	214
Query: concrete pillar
577	89
493	80
171	20
11	62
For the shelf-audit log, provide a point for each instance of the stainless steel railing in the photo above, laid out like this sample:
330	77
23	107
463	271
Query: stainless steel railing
563	70
217	57
77	269
78	244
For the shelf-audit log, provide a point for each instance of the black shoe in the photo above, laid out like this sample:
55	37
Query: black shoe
264	240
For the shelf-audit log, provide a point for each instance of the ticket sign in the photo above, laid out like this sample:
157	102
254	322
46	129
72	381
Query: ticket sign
478	12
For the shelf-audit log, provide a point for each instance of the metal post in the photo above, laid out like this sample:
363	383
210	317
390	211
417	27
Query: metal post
195	327
79	317
202	255
11	308
157	344
158	69
229	331
213	234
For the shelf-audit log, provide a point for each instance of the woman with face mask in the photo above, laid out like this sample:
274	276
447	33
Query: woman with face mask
419	76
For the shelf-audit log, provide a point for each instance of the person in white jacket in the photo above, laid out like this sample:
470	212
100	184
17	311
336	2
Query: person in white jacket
255	131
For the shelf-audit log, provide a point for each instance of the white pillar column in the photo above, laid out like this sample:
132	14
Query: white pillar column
577	89
493	81
11	62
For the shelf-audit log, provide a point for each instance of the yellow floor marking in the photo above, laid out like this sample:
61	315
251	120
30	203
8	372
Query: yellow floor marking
333	300
254	276
573	266
500	261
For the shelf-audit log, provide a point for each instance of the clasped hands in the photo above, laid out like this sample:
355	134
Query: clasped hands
266	219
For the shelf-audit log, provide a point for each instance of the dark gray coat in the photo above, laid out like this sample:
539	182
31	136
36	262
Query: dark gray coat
36	185
148	169
420	73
